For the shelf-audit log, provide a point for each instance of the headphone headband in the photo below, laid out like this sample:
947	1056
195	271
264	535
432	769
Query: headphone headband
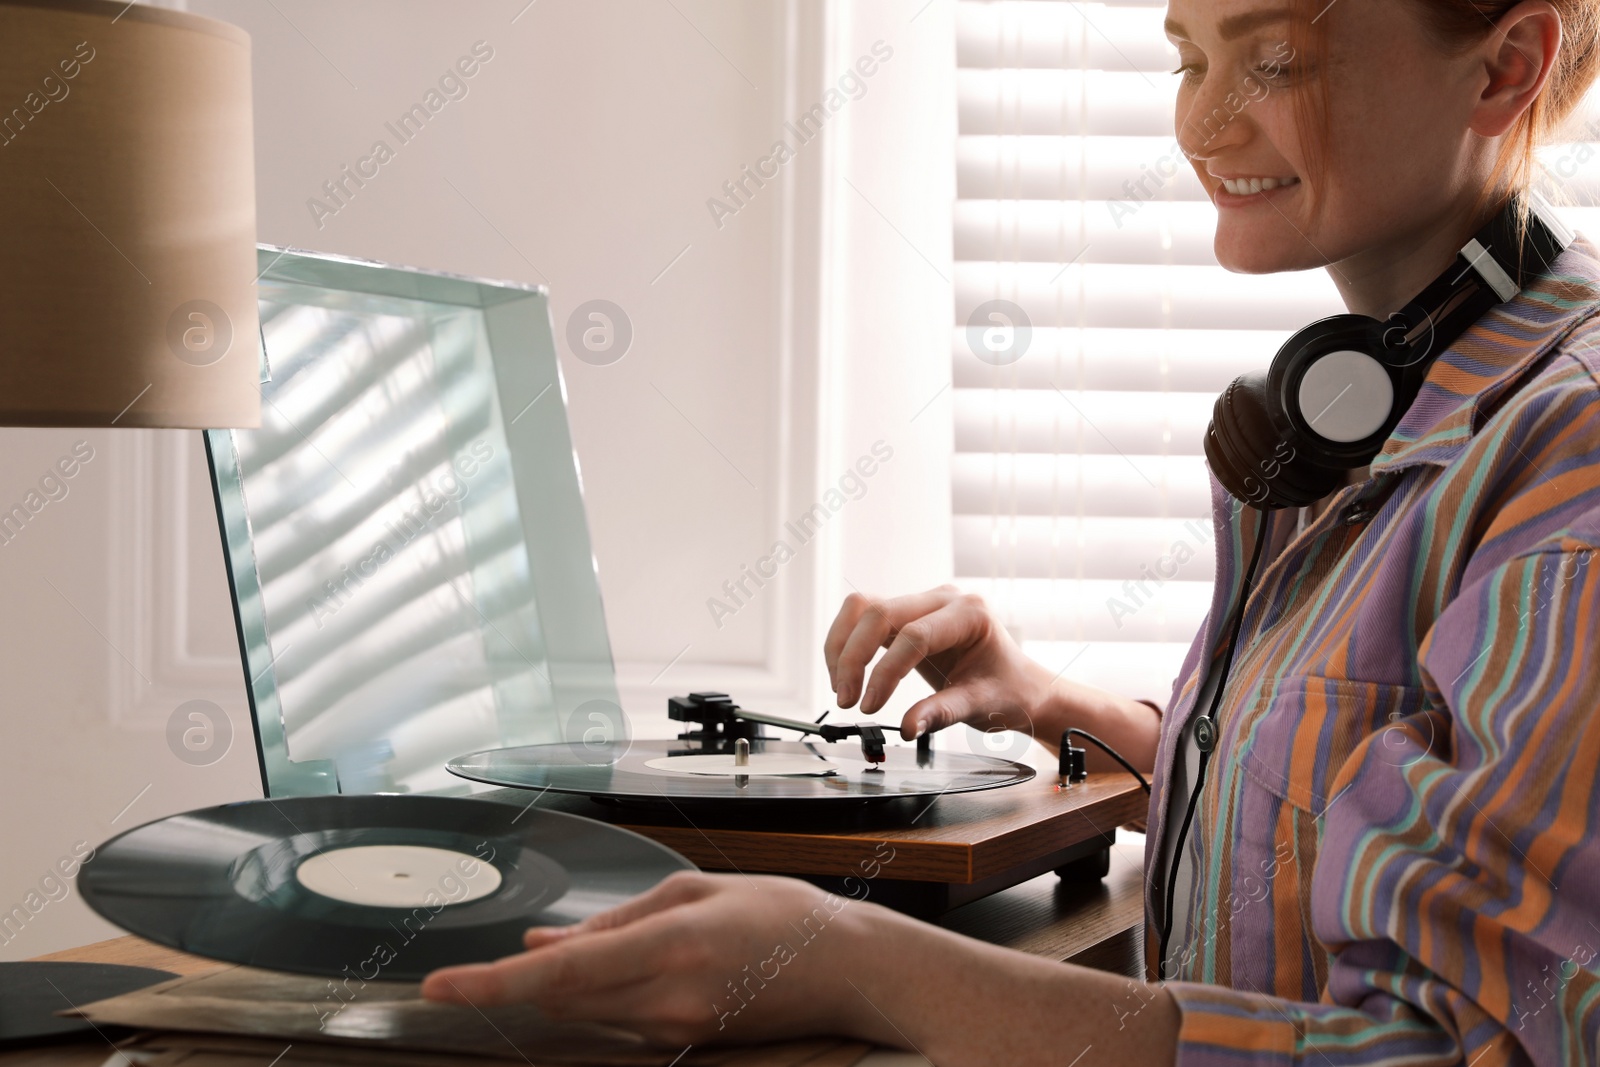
1499	259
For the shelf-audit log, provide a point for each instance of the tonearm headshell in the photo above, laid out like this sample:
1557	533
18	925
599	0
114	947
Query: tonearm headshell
722	722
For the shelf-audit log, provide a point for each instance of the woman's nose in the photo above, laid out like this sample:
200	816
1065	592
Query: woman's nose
1216	119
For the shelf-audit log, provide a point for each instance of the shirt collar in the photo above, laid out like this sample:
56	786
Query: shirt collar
1490	359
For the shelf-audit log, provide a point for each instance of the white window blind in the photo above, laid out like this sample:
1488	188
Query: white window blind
1079	470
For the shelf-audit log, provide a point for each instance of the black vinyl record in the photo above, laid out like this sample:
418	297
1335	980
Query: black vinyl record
623	771
373	887
32	992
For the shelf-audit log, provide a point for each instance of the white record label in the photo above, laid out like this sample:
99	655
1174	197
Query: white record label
762	764
398	876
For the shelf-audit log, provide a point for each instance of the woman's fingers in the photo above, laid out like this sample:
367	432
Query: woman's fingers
662	1008
684	887
876	623
572	965
934	713
476	984
596	939
539	936
869	635
670	974
953	625
844	624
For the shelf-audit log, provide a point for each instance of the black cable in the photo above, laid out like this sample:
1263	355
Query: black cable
1205	754
1066	740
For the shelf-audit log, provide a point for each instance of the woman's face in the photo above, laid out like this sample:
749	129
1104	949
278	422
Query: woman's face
1400	160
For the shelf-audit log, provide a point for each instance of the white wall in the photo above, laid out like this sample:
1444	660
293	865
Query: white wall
766	360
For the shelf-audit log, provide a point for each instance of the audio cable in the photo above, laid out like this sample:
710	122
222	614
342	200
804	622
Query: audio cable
1073	766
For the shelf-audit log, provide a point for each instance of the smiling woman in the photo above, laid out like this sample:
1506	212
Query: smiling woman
1389	859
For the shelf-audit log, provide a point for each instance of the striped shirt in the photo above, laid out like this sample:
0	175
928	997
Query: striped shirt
1396	853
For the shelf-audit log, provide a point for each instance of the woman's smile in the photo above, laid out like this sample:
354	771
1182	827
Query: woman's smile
1241	191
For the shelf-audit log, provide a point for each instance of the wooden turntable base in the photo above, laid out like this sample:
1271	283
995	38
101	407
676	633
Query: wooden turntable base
918	855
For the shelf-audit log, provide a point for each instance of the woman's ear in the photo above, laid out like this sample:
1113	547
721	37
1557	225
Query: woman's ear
1518	57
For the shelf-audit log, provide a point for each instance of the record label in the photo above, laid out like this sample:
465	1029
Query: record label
395	876
725	764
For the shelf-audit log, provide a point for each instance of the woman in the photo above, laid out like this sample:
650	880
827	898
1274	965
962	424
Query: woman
1393	858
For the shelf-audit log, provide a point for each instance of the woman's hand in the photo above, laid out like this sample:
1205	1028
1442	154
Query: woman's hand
700	957
955	643
722	957
980	675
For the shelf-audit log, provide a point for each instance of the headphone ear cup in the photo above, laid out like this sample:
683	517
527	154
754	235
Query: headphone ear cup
1225	453
1243	450
1240	430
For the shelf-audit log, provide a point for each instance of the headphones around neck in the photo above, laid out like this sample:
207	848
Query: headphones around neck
1339	387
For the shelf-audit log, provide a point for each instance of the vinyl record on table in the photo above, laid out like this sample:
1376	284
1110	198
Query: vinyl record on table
377	887
32	992
633	771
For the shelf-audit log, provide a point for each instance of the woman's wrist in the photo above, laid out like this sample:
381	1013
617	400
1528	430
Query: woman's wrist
1131	727
869	961
900	983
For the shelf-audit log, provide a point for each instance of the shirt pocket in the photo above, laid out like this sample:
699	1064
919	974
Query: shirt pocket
1300	734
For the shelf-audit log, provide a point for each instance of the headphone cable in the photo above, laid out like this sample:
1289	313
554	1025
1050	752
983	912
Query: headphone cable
1200	776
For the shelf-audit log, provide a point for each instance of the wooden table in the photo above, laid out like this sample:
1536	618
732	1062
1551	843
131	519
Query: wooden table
1095	924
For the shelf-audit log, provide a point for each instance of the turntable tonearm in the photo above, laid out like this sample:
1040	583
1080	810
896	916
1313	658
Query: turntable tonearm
722	721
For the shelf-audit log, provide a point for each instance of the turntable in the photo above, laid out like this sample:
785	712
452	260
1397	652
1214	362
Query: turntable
920	829
729	762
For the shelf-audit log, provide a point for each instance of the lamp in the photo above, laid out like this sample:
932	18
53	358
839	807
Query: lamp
127	203
127	267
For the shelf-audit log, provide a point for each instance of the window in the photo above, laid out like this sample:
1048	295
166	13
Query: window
1093	331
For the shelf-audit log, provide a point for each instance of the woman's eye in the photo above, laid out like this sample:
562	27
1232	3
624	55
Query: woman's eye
1188	70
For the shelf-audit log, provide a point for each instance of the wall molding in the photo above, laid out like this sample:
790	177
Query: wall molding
866	310
152	573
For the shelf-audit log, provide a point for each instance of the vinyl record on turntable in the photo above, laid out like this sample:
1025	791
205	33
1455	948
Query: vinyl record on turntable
777	772
378	887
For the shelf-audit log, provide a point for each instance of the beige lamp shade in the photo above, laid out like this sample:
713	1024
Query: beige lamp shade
127	204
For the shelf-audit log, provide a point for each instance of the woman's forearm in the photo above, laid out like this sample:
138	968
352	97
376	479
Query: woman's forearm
961	1002
1132	728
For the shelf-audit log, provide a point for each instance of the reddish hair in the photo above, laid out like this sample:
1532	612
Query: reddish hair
1458	25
